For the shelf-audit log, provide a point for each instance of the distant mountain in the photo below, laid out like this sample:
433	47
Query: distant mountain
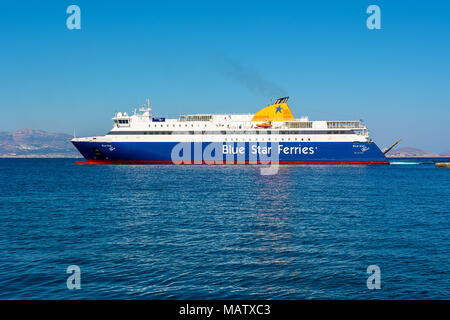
414	152
36	143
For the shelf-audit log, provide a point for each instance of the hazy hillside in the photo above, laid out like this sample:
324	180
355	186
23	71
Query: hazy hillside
414	152
36	143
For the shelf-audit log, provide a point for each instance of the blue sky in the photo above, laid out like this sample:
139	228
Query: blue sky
228	56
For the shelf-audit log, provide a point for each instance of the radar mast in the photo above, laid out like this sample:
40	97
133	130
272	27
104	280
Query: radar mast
146	111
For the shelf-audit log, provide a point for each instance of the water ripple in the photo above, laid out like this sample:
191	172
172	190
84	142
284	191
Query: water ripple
205	232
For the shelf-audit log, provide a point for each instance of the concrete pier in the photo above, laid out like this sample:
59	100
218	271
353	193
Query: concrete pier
443	165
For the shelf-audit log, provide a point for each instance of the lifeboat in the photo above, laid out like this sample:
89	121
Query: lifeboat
264	125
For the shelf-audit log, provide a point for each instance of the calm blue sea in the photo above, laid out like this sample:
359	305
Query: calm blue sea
210	232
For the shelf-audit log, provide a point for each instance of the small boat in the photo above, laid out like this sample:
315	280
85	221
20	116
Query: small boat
264	125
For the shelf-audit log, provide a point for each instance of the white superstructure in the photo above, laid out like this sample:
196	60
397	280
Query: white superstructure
228	128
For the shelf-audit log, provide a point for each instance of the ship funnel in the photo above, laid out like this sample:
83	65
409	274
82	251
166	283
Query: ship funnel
278	111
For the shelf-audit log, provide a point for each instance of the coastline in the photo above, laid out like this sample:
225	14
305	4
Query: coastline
44	156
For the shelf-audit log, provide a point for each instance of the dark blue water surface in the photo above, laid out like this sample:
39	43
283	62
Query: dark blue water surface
208	232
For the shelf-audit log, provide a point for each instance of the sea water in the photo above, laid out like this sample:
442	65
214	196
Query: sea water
223	231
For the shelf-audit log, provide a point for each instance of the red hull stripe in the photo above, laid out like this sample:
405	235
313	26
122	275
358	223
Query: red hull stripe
235	162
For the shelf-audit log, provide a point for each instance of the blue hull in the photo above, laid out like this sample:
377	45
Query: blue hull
231	153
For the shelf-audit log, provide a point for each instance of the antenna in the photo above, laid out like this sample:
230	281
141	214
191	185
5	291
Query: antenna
146	111
149	108
74	133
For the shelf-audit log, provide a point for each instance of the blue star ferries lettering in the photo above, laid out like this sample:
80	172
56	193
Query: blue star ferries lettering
255	149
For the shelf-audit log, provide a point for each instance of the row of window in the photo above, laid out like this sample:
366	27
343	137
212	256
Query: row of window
231	132
268	139
343	124
196	118
308	124
299	124
179	125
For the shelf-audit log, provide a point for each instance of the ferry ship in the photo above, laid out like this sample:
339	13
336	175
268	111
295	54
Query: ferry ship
272	135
